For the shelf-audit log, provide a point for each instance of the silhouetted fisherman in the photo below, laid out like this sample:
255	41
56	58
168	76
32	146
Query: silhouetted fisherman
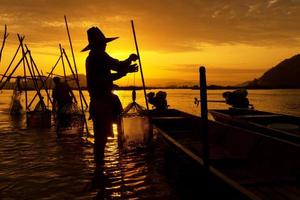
62	95
104	105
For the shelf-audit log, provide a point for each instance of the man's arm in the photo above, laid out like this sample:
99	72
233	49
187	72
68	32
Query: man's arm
116	76
121	66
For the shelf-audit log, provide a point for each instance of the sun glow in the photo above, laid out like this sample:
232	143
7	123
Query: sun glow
225	38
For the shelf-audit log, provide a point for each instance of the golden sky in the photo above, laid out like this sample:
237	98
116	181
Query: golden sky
236	40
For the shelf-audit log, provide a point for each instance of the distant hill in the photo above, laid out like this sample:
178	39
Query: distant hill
284	75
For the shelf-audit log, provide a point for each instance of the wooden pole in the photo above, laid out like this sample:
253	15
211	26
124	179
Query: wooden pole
204	117
33	76
71	46
21	38
30	68
63	63
140	63
34	67
65	74
25	77
53	68
25	89
75	66
81	97
80	92
11	62
3	42
76	80
13	71
49	74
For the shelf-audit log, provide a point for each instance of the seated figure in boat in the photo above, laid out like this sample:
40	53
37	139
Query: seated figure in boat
62	95
16	106
237	98
158	100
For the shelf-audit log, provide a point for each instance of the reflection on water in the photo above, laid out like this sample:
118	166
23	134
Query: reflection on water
131	175
35	164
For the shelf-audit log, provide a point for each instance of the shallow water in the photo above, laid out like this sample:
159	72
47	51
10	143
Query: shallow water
35	164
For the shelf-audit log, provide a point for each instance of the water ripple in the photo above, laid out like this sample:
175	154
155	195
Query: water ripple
35	164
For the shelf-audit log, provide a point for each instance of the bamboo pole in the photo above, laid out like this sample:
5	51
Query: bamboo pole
65	75
76	79
21	39
11	62
30	69
81	97
80	93
13	71
25	88
5	36
62	62
53	68
39	75
49	74
140	63
213	101
71	46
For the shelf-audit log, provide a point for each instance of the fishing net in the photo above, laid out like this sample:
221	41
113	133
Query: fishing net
70	116
71	108
16	107
40	117
136	125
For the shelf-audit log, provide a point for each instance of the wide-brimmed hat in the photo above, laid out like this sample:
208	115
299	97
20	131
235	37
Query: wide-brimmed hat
96	37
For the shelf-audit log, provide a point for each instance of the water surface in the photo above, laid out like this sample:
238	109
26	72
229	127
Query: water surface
35	164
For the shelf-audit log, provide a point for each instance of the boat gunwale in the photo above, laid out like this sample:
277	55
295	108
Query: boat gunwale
215	171
211	169
256	125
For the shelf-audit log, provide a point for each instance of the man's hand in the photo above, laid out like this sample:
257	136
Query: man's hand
132	68
133	57
128	69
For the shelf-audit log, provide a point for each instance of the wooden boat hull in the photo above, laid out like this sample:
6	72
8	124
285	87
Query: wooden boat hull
274	125
253	165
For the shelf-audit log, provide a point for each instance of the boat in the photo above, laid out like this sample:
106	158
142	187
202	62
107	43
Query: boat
240	164
271	124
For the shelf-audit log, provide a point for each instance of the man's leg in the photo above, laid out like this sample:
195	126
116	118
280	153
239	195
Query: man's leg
101	113
100	136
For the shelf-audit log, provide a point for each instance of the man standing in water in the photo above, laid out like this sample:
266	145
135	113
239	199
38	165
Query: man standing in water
62	95
103	102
